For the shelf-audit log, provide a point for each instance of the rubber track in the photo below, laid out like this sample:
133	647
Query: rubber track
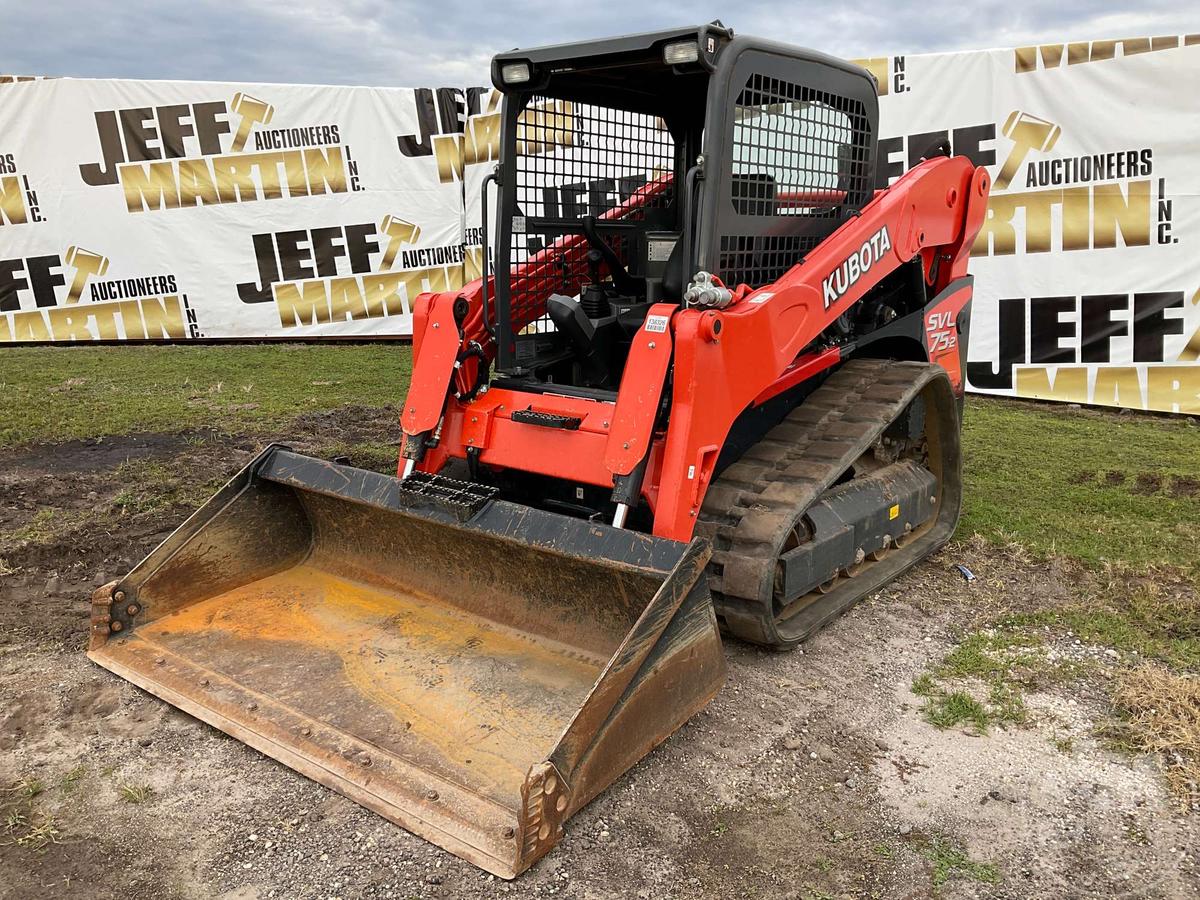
750	509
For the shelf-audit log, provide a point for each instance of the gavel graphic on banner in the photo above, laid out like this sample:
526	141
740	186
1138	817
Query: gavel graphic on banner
86	264
253	112
398	232
1027	133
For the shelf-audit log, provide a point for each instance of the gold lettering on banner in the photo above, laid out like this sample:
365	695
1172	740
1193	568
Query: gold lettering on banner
106	321
1070	383
448	151
382	295
301	303
244	178
1169	388
1191	351
131	318
235	177
12	201
1051	56
321	301
346	300
483	139
30	326
472	264
326	169
69	323
165	314
1173	389
149	187
196	184
1092	216
1118	386
540	129
1115	212
153	317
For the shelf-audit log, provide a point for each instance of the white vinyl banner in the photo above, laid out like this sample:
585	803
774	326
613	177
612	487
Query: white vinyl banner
1087	275
135	210
159	210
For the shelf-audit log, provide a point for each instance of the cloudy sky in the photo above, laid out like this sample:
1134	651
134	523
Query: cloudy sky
431	42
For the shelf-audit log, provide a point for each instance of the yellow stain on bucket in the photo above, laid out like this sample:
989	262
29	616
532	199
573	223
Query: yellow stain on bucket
469	688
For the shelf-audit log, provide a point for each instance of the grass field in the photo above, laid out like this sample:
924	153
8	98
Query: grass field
1096	486
56	394
1089	484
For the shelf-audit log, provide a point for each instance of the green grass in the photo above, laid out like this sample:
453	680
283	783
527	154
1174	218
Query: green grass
951	861
136	793
1055	480
154	486
370	455
949	709
1005	661
59	393
1040	474
23	825
37	529
1065	745
71	780
1145	619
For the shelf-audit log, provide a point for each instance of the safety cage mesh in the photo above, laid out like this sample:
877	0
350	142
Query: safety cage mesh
574	160
801	161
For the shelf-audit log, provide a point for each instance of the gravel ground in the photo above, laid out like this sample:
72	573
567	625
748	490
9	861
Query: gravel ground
812	775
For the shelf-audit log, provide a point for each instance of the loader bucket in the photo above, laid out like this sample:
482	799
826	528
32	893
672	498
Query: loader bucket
474	670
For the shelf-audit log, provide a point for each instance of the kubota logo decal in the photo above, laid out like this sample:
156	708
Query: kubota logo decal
844	277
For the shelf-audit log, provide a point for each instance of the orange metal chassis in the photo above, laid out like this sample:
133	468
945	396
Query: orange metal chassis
724	361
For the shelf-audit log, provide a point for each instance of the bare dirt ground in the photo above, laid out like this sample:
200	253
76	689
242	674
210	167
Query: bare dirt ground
812	775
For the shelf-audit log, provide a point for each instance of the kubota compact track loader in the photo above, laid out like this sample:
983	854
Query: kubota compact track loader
714	383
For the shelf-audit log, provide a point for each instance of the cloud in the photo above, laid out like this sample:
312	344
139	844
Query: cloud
406	43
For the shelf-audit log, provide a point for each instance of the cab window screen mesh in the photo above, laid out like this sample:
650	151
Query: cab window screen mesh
574	160
801	159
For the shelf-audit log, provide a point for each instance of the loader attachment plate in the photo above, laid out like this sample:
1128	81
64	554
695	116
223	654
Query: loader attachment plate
474	681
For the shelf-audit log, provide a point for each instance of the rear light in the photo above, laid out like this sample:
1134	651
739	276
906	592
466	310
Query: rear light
515	73
681	52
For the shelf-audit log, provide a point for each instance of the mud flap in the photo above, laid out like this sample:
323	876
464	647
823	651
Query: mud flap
474	670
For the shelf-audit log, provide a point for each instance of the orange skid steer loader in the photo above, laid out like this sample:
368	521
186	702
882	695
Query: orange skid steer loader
714	385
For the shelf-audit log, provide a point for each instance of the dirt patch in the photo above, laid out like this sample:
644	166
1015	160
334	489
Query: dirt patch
813	773
1148	483
72	515
102	454
1182	486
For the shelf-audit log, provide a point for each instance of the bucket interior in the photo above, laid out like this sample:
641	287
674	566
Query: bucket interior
455	651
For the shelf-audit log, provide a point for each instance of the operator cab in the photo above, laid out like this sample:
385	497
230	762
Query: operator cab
605	204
